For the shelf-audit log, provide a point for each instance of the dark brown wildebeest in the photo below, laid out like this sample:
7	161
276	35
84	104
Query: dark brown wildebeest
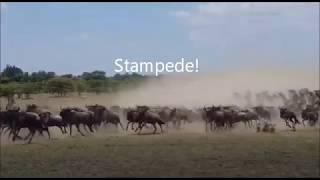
54	121
73	117
103	115
33	108
311	115
218	118
29	120
262	112
289	116
164	114
147	117
132	117
49	119
246	116
179	115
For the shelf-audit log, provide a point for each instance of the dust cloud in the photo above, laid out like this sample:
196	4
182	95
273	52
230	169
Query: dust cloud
197	90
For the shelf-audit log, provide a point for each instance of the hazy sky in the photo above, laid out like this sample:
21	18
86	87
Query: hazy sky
78	37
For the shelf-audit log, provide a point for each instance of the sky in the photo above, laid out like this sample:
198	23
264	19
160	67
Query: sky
83	37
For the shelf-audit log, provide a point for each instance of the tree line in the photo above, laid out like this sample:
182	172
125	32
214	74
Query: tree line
14	81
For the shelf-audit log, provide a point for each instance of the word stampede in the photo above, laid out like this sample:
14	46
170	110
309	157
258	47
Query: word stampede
156	67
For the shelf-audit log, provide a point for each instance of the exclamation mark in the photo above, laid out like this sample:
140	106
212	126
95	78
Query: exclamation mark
197	65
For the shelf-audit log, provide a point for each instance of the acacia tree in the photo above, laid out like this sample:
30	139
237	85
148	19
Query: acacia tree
8	91
60	86
80	87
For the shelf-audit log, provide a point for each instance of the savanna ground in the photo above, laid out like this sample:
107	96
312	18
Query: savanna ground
186	153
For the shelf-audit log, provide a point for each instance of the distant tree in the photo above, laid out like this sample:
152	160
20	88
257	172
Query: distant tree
51	75
60	85
67	76
80	87
13	73
8	91
96	86
96	75
27	89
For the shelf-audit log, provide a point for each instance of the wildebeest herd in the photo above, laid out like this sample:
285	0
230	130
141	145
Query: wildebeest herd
304	105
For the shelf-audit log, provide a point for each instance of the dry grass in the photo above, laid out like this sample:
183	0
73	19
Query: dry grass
174	154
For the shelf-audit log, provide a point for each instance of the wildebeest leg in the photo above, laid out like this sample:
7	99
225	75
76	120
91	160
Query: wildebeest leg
132	123
303	122
206	126
121	125
28	135
90	128
70	127
61	129
10	132
6	130
211	126
85	128
287	124
48	133
16	134
128	125
32	134
161	128
293	126
155	128
78	128
141	125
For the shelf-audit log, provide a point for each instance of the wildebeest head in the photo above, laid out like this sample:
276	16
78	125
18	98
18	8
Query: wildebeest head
45	116
32	108
66	112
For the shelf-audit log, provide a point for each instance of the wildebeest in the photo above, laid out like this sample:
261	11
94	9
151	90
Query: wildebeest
103	115
73	117
147	117
311	115
29	120
177	116
51	120
54	121
262	112
289	116
132	117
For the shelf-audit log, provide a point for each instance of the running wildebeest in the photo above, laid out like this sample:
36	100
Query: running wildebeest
73	117
132	117
54	121
311	115
289	116
179	115
147	117
29	120
262	112
103	115
48	118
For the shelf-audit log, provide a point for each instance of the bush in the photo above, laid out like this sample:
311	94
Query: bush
60	86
